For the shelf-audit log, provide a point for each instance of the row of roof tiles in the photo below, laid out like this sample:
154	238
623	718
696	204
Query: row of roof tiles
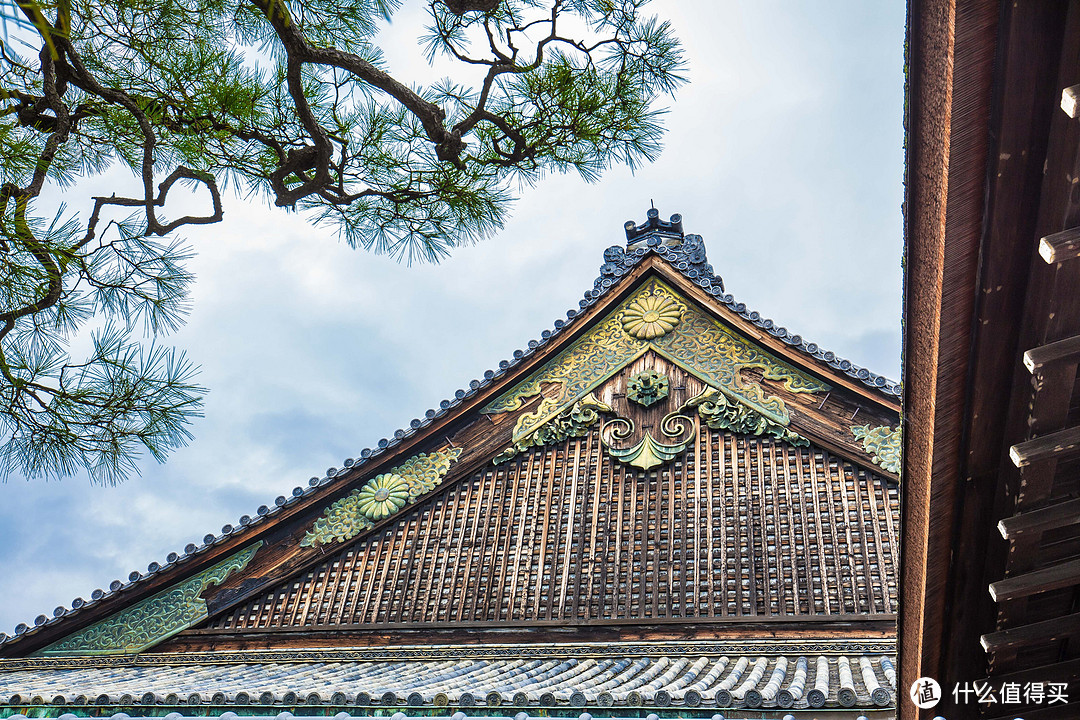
667	681
687	256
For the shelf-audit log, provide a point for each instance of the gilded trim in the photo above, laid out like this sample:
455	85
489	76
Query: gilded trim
154	619
382	496
697	343
575	421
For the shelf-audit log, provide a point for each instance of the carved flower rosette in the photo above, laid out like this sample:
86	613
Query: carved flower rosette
651	316
383	496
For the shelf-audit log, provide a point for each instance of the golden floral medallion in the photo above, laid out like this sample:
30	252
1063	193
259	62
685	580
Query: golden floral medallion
383	496
651	316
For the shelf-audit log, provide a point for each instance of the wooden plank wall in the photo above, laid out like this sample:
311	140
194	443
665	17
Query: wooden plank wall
735	527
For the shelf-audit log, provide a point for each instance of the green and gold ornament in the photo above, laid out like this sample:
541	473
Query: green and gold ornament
381	497
655	318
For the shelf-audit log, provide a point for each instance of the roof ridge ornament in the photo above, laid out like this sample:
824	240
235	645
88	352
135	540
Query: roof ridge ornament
671	230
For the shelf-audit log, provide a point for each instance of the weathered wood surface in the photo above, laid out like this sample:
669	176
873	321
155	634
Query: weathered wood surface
1061	246
736	527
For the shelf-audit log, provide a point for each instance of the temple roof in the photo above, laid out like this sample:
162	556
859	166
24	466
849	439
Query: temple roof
623	269
811	674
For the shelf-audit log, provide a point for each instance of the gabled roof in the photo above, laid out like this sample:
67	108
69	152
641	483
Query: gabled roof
656	249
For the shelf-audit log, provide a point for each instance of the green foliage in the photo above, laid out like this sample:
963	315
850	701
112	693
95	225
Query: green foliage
284	99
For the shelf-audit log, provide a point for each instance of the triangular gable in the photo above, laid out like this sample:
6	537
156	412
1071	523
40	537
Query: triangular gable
657	318
753	368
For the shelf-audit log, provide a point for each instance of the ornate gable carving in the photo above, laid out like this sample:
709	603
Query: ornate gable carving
154	619
654	318
695	341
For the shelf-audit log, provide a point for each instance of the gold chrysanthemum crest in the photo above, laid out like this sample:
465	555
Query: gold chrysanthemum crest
697	342
647	317
381	497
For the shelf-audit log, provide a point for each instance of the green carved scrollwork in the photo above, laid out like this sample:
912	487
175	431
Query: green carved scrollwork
648	452
423	472
697	343
721	413
154	619
381	497
882	444
575	421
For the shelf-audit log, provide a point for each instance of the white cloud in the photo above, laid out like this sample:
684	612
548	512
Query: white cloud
784	153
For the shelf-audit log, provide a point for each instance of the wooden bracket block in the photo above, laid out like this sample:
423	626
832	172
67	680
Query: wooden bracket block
1067	350
1040	633
1054	516
1070	100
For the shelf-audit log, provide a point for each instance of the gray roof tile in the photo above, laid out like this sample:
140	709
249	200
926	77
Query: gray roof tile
763	681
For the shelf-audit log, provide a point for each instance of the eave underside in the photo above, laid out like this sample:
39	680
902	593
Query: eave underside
993	167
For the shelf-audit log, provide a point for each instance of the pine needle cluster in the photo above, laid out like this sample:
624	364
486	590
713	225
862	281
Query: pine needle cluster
289	100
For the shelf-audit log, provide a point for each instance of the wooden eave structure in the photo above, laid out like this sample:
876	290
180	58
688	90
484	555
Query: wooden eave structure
293	581
990	582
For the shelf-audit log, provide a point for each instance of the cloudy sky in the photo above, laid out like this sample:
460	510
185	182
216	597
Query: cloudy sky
784	152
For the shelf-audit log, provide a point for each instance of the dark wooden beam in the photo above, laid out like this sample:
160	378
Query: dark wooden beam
951	62
1067	350
1062	672
1052	578
1068	671
1061	246
1040	633
1070	100
376	635
1060	445
1038	521
1057	711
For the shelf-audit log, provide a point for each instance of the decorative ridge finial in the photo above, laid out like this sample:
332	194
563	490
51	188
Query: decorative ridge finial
672	229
